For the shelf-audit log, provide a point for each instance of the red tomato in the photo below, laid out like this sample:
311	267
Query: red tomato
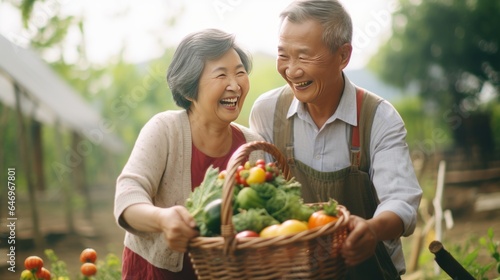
88	269
88	255
261	166
320	218
269	176
43	274
247	233
33	263
260	162
242	175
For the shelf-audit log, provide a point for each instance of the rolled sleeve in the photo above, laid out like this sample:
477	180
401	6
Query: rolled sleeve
392	169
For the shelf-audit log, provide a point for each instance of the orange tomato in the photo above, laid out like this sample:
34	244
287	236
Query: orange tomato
88	255
320	218
270	231
88	269
292	226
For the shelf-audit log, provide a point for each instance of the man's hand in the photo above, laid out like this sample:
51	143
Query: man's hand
360	243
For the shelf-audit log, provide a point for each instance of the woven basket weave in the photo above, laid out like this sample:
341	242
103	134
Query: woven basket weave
311	254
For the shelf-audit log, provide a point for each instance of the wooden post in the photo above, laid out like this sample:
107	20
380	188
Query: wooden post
37	140
80	176
66	188
438	209
37	234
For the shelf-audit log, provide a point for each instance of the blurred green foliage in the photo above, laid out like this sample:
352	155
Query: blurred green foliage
448	52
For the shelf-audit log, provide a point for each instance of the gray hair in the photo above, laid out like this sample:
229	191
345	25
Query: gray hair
336	22
189	59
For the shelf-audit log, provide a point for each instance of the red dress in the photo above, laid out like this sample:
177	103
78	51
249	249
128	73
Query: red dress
135	267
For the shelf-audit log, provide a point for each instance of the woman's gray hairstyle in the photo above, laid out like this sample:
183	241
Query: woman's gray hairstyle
336	22
189	59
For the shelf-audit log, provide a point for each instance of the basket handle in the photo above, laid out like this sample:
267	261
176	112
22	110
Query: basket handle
238	158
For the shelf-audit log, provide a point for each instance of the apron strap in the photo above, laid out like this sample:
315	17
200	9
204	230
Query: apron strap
283	130
366	105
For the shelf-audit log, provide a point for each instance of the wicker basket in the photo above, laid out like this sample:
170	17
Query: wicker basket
311	254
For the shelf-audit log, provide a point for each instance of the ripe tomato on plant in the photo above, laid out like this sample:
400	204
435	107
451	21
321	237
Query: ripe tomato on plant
33	263
43	274
88	269
88	255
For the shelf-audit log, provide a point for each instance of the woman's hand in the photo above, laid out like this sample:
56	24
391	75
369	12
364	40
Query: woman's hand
178	227
360	243
176	224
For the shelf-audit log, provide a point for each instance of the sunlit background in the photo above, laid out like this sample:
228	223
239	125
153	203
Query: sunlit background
143	29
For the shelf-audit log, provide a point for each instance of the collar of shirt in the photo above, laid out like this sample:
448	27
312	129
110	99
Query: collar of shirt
346	111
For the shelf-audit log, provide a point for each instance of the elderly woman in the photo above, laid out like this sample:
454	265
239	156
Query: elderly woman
208	78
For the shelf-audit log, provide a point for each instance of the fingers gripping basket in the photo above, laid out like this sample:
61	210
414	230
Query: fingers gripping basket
311	254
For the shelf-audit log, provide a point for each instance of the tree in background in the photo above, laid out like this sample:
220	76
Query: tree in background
449	52
123	93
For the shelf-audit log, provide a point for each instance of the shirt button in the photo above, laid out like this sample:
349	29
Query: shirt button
318	157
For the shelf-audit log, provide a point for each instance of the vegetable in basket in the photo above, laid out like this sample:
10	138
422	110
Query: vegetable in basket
209	190
322	217
253	219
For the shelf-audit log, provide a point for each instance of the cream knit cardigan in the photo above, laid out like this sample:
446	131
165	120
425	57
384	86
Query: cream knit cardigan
158	172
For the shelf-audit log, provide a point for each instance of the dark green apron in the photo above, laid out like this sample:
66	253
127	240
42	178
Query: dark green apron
350	186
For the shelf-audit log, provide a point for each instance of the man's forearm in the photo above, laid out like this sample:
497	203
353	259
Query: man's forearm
387	226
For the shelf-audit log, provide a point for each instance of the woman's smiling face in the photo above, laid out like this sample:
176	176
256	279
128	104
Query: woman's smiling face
223	86
306	62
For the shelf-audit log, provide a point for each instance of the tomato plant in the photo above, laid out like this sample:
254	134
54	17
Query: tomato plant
88	269
292	226
88	255
33	263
